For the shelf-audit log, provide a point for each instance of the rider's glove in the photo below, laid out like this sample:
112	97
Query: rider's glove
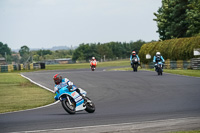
70	88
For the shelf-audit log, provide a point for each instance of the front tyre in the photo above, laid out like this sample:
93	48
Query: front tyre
90	107
159	71
69	108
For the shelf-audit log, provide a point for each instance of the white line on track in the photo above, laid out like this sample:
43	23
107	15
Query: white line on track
37	83
149	126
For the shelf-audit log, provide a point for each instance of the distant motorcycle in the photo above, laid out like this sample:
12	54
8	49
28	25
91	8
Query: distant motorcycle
159	68
93	65
135	64
73	102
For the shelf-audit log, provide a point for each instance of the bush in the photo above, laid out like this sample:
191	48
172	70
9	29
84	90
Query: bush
174	49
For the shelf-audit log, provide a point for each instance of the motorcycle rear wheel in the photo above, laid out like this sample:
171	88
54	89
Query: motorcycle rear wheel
69	108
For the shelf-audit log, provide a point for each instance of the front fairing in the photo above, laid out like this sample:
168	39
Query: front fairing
65	91
160	64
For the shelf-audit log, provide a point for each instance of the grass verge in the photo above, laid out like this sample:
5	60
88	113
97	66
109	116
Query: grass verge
125	62
194	73
198	131
17	93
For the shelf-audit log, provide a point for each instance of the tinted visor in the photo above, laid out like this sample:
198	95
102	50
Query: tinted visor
57	80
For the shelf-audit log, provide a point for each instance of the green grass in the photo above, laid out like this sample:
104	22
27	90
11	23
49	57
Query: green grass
125	62
17	93
198	131
195	73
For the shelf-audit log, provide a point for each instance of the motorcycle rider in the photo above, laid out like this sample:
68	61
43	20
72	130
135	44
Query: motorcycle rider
62	82
93	59
134	55
158	57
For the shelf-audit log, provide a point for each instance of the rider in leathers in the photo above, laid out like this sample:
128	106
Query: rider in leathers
158	58
62	82
134	55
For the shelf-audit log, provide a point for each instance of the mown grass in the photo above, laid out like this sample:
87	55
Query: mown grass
125	62
198	131
17	93
195	73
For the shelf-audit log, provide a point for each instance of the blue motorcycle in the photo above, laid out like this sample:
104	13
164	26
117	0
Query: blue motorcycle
72	101
160	67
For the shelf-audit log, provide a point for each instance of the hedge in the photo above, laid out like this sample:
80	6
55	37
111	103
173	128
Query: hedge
174	49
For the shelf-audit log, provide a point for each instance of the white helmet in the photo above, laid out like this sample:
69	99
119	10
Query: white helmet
157	53
93	58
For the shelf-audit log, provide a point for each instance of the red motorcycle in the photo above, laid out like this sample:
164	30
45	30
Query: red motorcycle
93	65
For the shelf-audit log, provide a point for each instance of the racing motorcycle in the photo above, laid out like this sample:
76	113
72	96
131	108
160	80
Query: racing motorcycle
159	68
72	101
93	65
135	64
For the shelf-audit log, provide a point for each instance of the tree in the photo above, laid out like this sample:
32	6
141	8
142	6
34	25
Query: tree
178	18
193	17
25	54
4	50
24	50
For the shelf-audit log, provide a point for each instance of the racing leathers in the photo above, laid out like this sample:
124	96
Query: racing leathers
93	61
156	59
67	82
132	56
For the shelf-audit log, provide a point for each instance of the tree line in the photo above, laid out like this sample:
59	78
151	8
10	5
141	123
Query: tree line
110	50
25	55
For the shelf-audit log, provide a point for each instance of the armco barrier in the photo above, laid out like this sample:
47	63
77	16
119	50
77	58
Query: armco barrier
4	68
195	63
180	64
10	68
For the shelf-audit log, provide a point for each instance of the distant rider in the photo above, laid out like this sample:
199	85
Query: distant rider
93	60
158	58
62	82
133	54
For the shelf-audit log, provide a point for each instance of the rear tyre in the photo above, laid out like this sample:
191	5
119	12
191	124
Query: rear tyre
90	107
69	108
92	68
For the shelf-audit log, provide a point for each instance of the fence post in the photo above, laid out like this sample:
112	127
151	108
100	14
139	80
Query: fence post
167	64
9	68
22	66
180	64
31	66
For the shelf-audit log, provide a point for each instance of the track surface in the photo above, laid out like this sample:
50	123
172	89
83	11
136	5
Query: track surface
119	96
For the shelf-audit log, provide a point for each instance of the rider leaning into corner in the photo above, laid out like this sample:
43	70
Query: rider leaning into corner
133	54
158	57
62	82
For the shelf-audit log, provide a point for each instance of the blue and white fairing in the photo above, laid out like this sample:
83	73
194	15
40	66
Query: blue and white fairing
77	98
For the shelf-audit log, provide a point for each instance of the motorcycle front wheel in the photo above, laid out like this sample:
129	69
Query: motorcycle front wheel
69	108
159	71
90	107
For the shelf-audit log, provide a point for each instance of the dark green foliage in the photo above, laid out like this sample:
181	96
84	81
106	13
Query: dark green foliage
174	49
25	54
111	50
178	18
24	50
44	52
4	50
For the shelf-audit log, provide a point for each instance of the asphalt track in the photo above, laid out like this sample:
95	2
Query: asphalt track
119	96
